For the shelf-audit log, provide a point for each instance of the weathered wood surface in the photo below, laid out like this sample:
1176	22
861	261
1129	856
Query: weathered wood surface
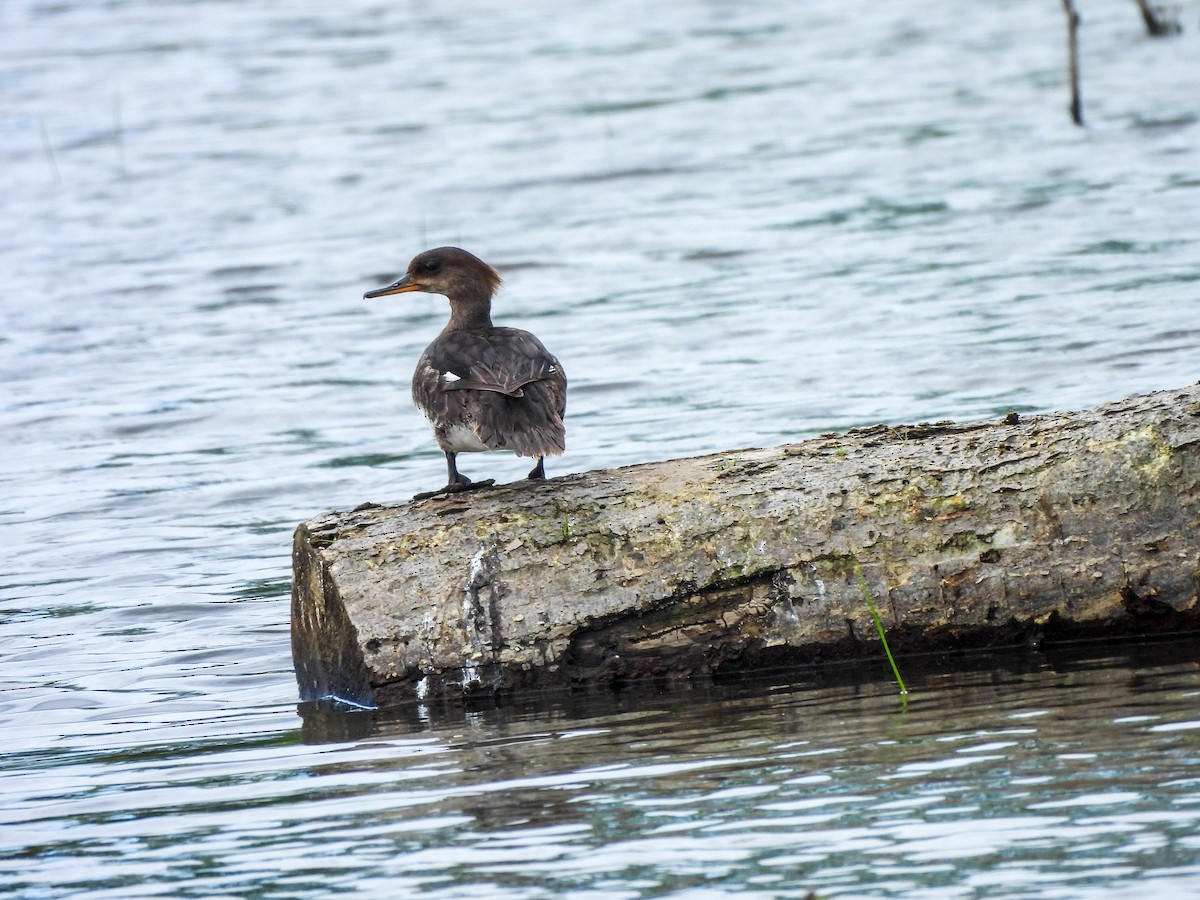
990	533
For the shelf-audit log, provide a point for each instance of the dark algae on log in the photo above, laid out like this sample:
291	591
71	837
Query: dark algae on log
1053	526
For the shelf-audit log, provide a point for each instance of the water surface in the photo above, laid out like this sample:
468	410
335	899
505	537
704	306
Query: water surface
1031	775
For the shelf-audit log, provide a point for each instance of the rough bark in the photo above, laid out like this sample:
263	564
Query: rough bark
1061	525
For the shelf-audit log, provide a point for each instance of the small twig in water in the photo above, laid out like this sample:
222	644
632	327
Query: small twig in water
1159	22
48	150
119	135
879	627
1073	21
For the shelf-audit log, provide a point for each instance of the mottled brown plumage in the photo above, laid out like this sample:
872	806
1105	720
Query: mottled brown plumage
481	387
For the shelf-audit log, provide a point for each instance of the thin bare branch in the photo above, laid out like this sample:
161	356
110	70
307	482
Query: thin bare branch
1159	22
1073	21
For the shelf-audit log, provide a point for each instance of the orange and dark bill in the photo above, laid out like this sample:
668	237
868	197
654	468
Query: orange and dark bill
403	286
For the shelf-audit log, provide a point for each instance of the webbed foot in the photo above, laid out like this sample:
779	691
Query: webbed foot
456	487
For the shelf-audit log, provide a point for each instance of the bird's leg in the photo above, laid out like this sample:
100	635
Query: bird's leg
458	481
539	471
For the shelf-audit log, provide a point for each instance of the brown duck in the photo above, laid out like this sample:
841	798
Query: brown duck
481	387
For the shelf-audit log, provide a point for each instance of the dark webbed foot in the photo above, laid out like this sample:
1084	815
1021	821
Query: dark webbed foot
456	487
458	481
539	471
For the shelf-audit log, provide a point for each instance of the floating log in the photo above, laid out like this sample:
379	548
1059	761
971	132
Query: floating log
1048	527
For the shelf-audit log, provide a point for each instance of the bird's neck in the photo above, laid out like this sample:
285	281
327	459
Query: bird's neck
470	313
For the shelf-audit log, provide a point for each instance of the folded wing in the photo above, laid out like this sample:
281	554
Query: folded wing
503	384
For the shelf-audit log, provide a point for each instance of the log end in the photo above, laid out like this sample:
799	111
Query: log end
325	647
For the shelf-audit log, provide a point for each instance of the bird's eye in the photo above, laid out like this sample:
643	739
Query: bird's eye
431	265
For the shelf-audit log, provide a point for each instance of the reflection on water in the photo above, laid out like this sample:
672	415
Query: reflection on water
736	224
1031	775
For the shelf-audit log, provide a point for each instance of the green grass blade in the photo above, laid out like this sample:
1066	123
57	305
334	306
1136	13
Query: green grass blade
879	627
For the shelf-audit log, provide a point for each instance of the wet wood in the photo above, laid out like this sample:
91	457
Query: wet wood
1054	526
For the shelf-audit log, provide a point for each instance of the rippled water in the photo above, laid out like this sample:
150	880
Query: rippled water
735	224
1049	777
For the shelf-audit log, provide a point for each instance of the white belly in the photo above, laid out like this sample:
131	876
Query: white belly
463	439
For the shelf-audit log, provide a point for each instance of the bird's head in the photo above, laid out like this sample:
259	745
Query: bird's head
449	271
